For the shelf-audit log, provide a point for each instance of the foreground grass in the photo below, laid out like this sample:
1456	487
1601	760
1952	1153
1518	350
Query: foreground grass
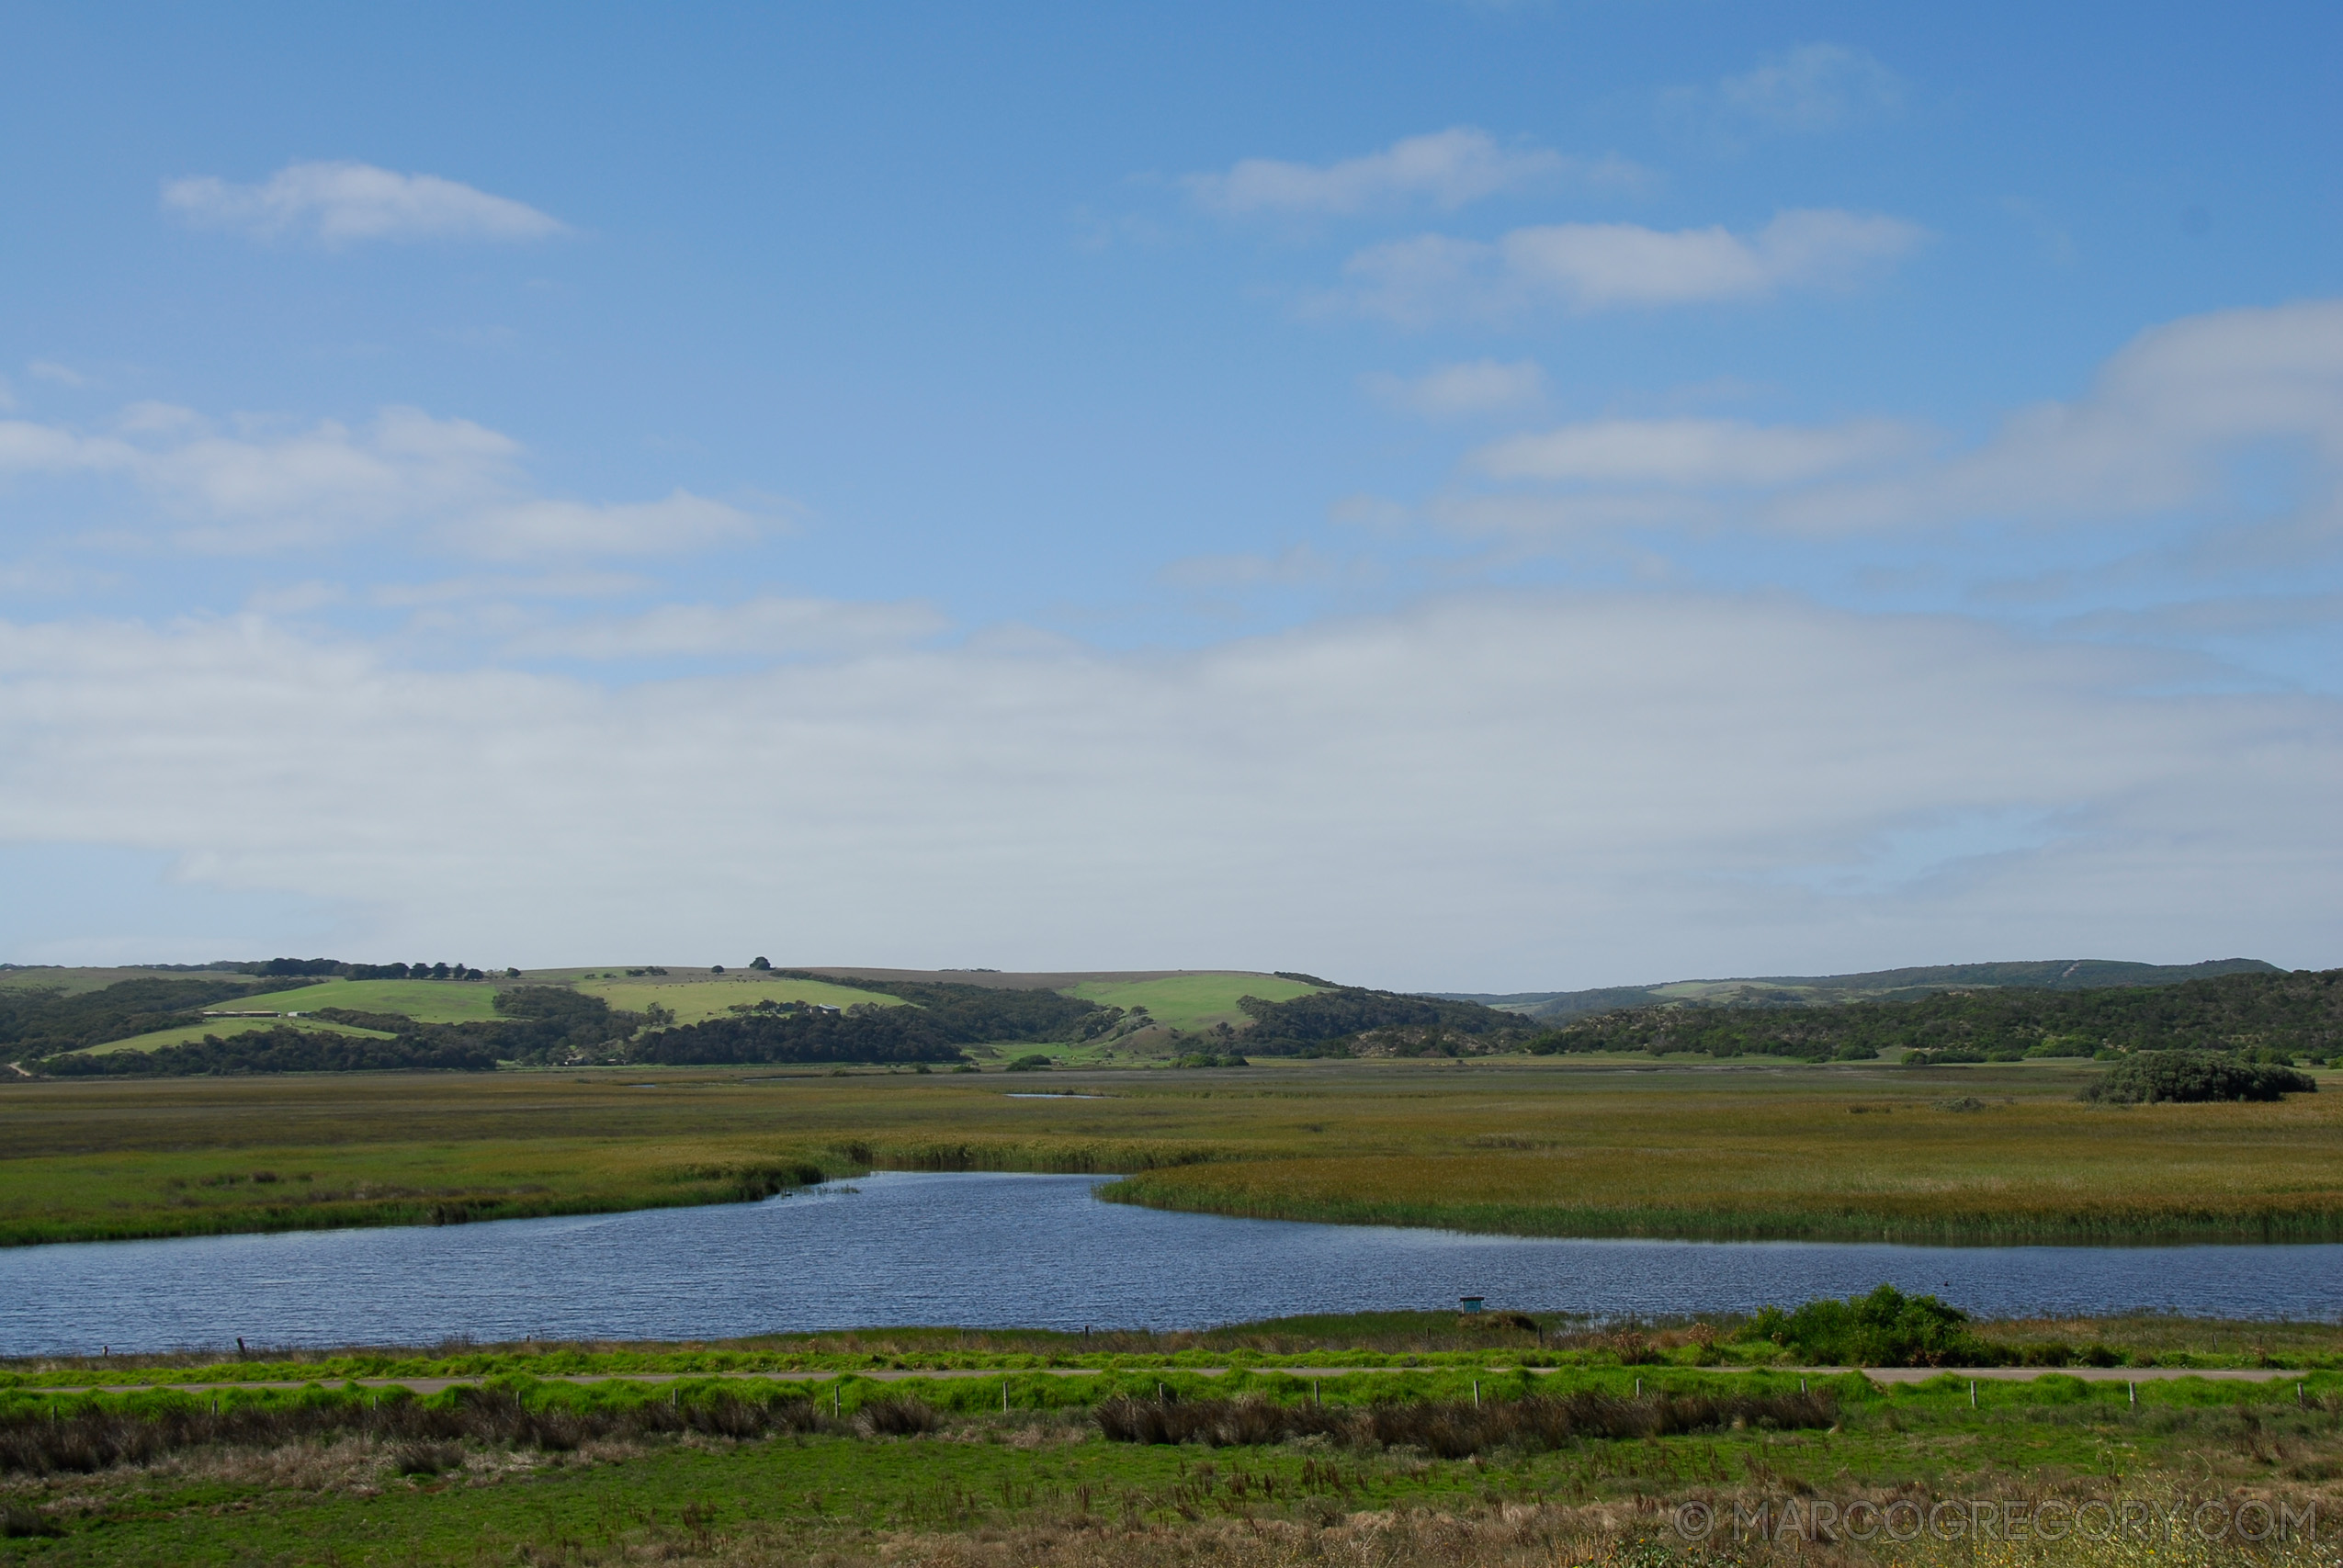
1527	1146
1042	1483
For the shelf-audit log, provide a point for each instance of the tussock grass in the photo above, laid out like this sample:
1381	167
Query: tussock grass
1455	1429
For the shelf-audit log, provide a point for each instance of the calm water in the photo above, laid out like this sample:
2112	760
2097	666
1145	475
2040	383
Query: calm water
1003	1251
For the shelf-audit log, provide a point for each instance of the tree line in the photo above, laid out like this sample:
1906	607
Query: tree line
942	1020
1348	1019
47	1021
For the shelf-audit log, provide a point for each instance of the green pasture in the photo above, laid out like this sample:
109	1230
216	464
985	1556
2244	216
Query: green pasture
1191	1001
425	1001
226	1027
694	999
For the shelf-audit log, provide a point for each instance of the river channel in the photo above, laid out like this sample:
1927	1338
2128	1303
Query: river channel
997	1250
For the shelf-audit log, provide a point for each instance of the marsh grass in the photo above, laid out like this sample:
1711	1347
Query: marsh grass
1521	1146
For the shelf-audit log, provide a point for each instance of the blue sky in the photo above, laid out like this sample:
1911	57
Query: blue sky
1454	496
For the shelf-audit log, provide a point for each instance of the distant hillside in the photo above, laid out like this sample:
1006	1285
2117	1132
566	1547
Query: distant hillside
2278	1014
1877	985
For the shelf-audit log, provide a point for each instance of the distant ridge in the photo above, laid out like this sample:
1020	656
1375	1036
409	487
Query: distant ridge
1878	985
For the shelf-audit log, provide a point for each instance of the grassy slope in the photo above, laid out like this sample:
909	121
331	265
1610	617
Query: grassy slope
694	997
1193	1001
1039	1487
1529	1146
225	1028
425	1001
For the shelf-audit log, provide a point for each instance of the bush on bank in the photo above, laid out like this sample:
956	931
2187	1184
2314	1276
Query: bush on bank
2186	1077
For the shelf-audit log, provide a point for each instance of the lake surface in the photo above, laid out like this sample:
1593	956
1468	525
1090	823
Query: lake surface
995	1250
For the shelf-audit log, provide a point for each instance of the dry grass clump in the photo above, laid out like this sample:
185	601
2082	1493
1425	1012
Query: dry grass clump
42	1443
1452	1429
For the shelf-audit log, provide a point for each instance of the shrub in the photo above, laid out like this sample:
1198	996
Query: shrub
2151	1076
1886	1329
1032	1063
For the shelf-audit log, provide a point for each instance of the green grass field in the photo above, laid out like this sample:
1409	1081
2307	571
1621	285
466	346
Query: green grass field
425	1001
1193	1001
320	1476
1528	1145
226	1027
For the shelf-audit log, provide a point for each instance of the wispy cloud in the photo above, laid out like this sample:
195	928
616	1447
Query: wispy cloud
1693	453
2156	434
1598	267
339	203
62	375
528	529
1816	86
1811	88
768	626
1458	391
257	487
1445	170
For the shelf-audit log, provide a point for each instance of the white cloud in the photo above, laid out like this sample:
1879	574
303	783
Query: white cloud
337	203
1816	86
1486	792
258	486
1595	266
1446	170
1456	391
1691	453
766	627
